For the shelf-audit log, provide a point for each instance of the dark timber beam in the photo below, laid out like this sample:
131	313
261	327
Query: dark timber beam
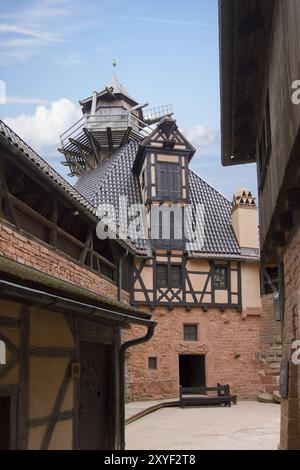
126	136
278	240
294	199
94	144
285	222
251	24
109	139
80	146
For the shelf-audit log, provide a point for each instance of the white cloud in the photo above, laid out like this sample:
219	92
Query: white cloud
27	30
12	28
25	100
200	136
150	19
43	128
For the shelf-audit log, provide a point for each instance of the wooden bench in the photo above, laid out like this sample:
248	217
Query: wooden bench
201	396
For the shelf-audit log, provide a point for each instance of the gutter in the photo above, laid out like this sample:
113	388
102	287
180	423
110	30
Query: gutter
56	302
122	352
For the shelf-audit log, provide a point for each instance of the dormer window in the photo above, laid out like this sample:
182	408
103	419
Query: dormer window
168	181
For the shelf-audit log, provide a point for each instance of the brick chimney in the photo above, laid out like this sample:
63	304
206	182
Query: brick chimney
244	219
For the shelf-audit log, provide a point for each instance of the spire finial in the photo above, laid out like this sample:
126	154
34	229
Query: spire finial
114	64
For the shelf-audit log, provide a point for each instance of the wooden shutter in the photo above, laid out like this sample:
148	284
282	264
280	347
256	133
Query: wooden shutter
168	181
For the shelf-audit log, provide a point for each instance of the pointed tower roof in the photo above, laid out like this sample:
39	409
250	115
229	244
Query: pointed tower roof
113	86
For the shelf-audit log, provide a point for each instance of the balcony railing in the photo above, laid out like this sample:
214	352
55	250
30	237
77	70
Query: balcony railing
98	122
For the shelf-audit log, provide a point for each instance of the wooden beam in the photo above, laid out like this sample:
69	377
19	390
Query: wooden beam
92	138
87	246
53	234
278	240
251	23
51	351
294	199
126	136
62	416
22	433
285	222
80	146
5	195
109	139
94	144
10	322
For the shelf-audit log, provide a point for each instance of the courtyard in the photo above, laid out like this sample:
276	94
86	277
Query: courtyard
247	426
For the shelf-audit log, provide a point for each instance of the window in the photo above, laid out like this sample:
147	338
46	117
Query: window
175	275
169	275
152	363
162	275
221	277
168	180
190	332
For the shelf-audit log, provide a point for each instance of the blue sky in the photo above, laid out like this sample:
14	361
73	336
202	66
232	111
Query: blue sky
55	52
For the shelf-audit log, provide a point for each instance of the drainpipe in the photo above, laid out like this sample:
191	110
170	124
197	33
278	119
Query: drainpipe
122	352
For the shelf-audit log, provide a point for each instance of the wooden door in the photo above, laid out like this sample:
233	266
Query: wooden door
96	410
192	371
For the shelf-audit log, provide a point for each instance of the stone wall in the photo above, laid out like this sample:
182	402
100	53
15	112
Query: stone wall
35	254
270	354
229	341
290	410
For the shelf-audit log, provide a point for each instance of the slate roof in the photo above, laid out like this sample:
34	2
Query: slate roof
114	177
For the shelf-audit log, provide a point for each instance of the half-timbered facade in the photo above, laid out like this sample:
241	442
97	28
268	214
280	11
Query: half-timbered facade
62	308
193	257
260	73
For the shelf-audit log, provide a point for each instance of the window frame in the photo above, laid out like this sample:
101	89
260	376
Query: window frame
150	359
187	325
217	284
169	280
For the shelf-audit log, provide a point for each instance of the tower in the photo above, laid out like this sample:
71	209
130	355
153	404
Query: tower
111	118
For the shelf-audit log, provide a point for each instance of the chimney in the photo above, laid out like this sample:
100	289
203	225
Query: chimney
244	219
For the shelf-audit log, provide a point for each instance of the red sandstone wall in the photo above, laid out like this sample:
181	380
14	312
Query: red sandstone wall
290	409
270	346
40	256
230	342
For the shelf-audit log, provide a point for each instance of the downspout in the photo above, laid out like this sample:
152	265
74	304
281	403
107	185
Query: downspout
122	352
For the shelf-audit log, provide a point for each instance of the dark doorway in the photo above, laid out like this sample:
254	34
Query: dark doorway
5	411
192	371
96	411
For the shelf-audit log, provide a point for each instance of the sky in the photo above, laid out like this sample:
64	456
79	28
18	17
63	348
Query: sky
55	52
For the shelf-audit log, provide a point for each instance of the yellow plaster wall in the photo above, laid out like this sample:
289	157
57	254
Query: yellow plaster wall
62	436
250	286
245	225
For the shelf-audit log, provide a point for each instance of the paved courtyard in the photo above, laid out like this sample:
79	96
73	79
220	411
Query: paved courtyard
249	425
